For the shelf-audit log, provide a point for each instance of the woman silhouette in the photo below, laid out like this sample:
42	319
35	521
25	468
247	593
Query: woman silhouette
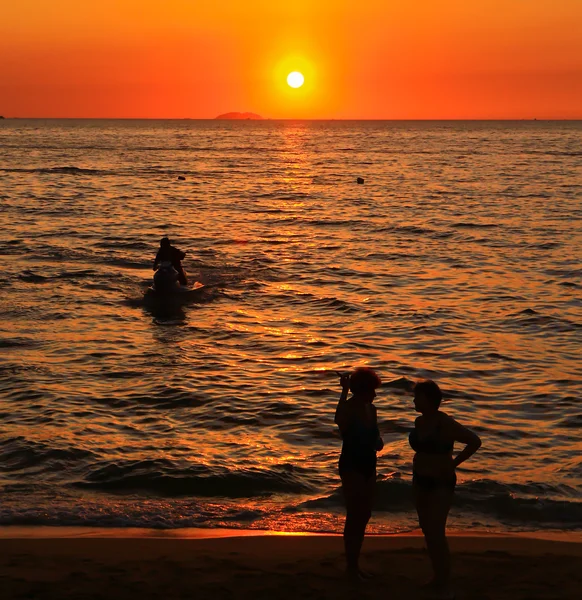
434	478
358	424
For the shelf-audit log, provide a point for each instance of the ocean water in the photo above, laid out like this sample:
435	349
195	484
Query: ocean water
459	259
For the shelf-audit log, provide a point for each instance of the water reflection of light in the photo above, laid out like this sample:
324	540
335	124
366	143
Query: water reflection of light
278	331
294	160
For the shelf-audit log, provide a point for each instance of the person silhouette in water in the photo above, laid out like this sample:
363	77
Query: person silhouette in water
358	424
169	253
434	478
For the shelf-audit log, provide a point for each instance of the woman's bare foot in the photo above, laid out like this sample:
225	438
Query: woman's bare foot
366	574
355	575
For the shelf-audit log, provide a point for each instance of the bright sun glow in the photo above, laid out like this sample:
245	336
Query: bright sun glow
295	79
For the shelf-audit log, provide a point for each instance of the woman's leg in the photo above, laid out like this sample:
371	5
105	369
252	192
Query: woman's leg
358	493
433	506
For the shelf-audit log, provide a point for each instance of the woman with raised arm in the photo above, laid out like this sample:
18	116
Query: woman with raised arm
357	420
434	478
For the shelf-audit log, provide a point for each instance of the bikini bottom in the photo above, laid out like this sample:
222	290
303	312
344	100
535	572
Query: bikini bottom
367	468
425	482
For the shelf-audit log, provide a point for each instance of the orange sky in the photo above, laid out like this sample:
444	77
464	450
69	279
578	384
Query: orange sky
383	59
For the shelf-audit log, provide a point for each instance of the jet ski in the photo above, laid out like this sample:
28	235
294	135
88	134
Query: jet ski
166	283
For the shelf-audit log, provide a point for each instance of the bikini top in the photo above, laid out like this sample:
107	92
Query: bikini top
432	444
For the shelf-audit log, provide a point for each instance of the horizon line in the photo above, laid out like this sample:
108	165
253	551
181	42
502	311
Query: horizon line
5	118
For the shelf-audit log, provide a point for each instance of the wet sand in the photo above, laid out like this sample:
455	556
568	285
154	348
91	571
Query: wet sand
67	563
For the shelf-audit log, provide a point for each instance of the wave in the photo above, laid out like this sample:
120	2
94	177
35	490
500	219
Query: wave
18	343
31	277
521	503
281	195
161	477
552	152
11	247
116	243
114	148
545	245
414	229
162	395
128	172
573	422
402	383
20	454
63	509
331	303
477	503
511	504
467	225
149	482
66	170
531	319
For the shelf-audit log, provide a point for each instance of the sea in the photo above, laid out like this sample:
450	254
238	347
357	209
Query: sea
459	258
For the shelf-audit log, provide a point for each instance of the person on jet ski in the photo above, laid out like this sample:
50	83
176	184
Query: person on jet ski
167	252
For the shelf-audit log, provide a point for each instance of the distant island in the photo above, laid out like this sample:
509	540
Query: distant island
248	116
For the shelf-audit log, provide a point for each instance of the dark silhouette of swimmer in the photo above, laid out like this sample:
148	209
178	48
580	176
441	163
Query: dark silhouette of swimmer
434	478
167	252
358	424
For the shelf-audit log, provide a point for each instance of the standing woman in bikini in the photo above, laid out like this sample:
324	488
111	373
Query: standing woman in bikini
358	424
434	478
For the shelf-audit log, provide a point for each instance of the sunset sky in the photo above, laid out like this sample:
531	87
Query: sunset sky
374	59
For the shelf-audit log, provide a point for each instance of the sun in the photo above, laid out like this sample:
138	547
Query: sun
295	79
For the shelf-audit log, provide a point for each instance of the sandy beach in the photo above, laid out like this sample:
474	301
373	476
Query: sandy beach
68	563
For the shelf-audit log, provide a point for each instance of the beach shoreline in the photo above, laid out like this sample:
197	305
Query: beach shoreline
199	533
74	562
